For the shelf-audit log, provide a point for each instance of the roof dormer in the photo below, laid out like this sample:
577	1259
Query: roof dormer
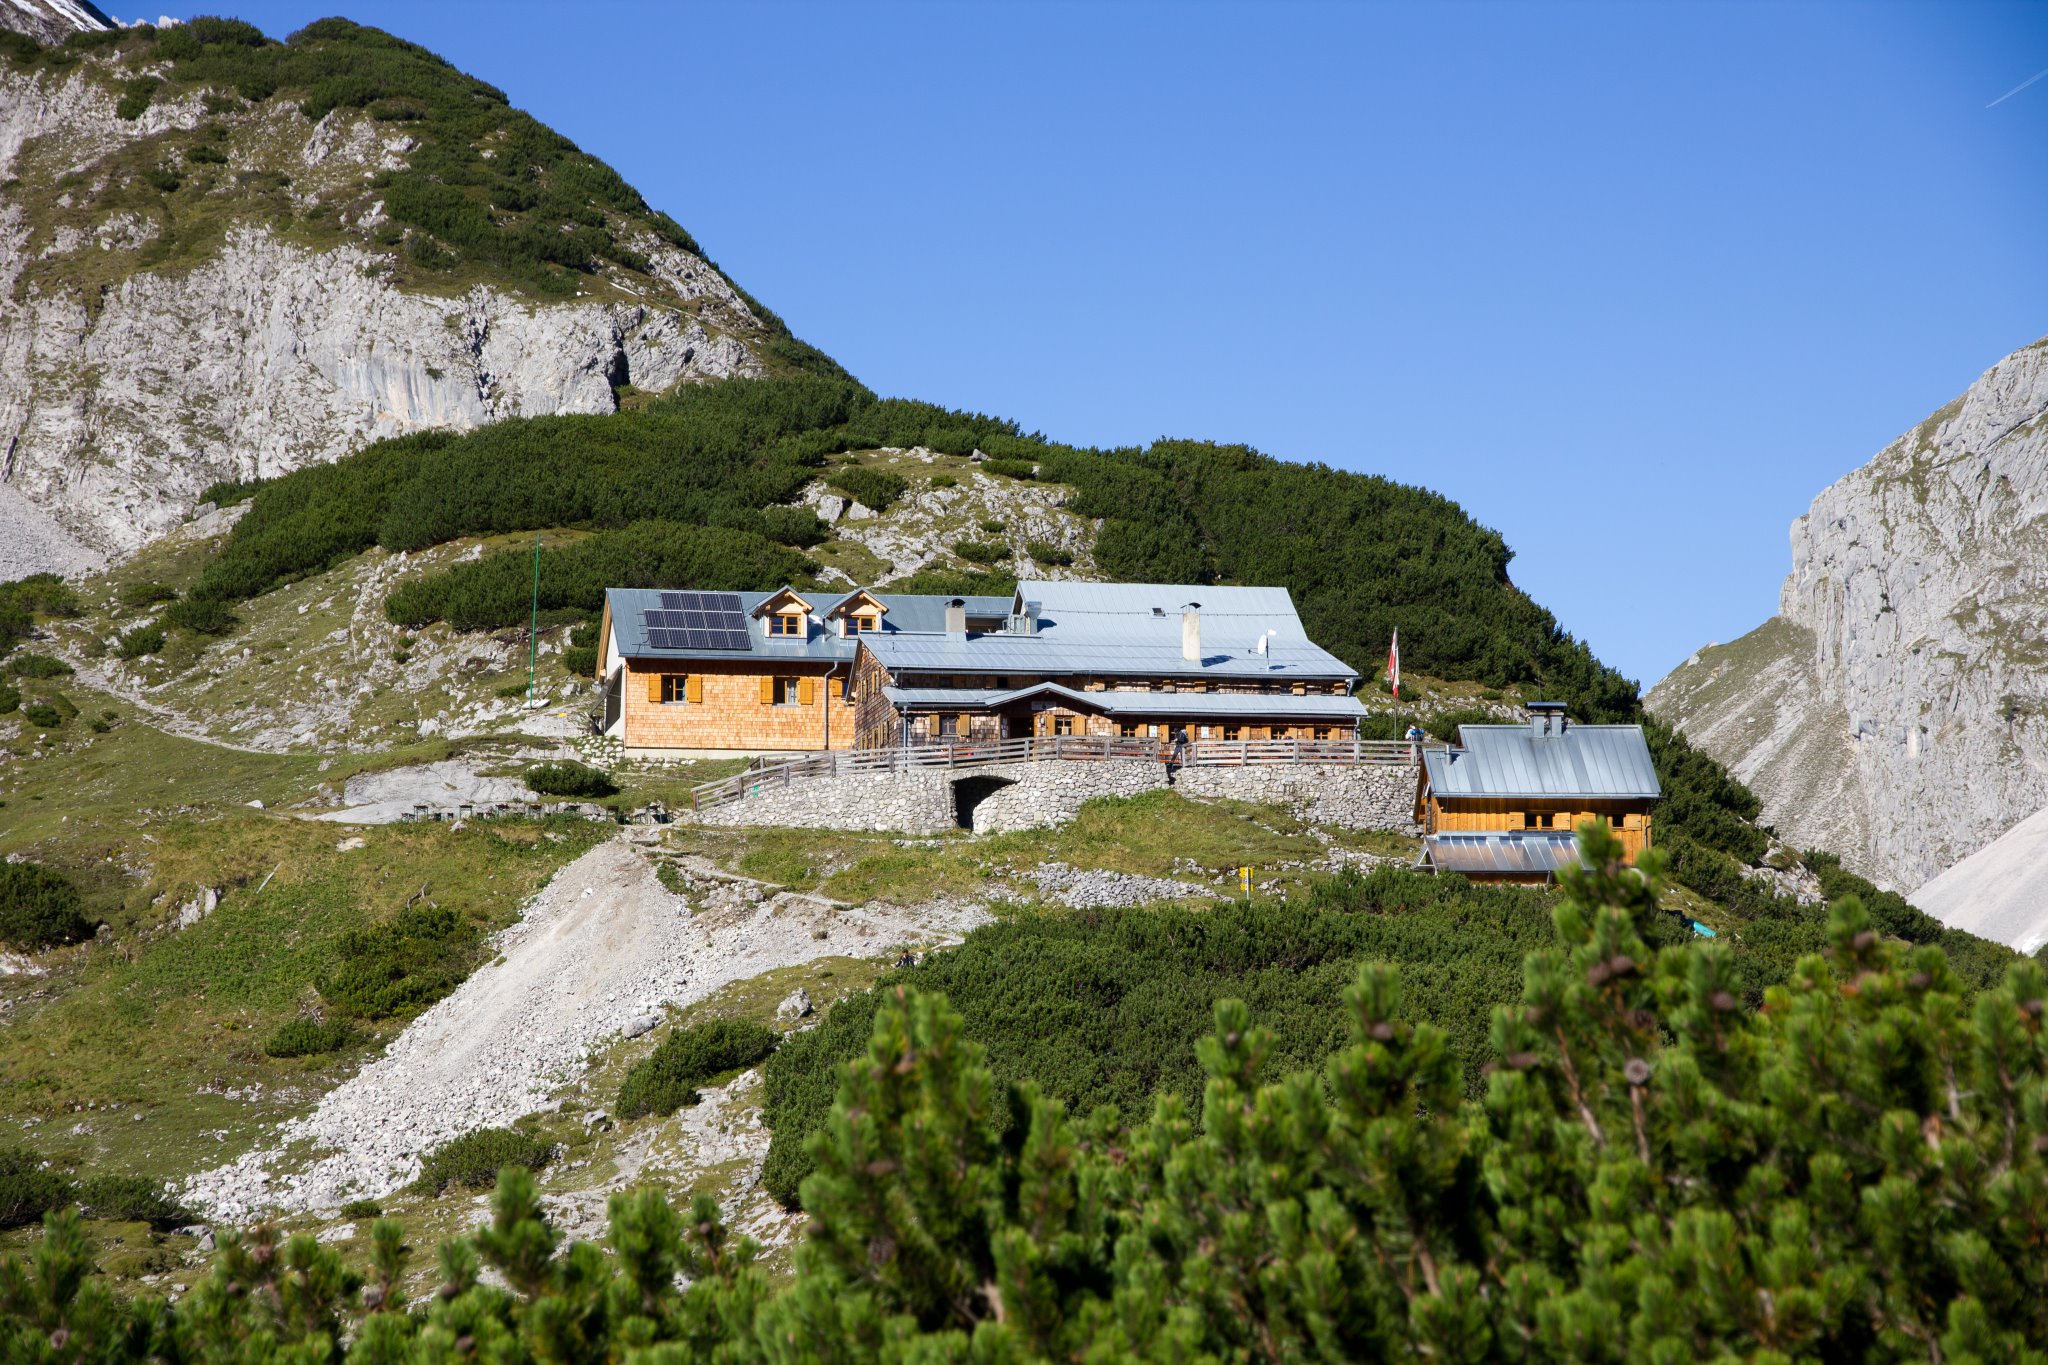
858	613
785	615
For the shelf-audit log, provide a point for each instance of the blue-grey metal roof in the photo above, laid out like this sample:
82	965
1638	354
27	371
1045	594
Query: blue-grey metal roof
1232	617
1051	652
1196	705
1605	761
1475	852
907	614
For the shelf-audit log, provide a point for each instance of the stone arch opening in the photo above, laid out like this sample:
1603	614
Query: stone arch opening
970	792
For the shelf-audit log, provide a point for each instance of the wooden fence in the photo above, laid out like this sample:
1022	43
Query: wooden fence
766	776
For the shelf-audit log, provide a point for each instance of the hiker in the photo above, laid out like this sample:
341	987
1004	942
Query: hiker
1178	755
1415	737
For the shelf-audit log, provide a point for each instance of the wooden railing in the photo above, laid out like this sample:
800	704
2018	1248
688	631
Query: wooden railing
773	776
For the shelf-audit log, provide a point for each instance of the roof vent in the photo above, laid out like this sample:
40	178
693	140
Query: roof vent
1546	719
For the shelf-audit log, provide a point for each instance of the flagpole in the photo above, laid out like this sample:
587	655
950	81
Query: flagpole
533	627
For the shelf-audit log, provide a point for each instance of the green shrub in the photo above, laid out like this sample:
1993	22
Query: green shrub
1105	1007
957	583
1048	554
135	98
23	599
28	1189
994	526
200	615
497	591
308	1037
474	1159
668	1079
944	481
43	714
1444	725
141	641
362	1208
797	526
130	1199
1012	469
37	666
580	661
872	488
567	777
163	179
206	154
228	492
146	594
981	551
398	968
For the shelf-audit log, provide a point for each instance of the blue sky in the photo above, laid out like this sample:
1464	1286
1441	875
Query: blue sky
1630	282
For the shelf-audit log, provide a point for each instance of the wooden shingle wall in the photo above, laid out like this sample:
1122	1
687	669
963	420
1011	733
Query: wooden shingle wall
726	707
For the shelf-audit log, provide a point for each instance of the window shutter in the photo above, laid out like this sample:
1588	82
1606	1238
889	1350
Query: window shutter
806	691
767	691
654	687
694	687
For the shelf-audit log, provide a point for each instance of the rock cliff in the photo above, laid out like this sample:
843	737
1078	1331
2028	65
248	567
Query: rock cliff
209	288
1896	709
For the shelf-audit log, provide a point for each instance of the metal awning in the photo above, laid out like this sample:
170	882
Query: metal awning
1524	853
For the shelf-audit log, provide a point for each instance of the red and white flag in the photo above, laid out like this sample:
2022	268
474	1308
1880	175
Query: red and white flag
1394	664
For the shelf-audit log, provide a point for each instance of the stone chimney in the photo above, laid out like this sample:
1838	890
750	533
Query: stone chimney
1191	632
956	619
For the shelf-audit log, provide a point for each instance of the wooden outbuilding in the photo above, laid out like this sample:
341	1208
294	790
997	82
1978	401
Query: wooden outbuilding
1505	803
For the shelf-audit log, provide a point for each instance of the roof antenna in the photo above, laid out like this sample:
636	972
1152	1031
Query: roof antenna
1259	645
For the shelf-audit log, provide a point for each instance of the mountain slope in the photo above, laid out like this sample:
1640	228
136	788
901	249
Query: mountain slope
1897	708
227	258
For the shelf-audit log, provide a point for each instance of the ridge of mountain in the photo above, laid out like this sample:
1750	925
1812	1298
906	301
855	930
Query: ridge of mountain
52	21
227	258
1896	708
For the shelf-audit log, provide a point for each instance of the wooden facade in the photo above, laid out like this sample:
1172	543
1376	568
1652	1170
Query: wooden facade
1629	818
726	704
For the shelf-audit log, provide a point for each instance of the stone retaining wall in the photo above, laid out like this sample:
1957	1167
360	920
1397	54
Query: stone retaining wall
1035	795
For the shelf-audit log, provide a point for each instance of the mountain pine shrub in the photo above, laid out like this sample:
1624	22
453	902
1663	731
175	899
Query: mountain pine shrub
308	1037
139	642
39	908
476	1158
567	777
872	488
667	1080
37	666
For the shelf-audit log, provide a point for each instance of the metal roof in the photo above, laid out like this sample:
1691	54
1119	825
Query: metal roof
1605	761
1050	652
1526	853
1190	704
908	614
1150	612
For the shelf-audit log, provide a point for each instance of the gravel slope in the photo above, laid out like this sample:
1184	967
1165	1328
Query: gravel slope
603	944
2000	892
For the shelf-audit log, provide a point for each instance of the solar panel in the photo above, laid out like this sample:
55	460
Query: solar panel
698	620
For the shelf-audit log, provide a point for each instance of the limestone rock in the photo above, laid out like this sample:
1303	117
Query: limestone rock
1896	709
126	387
796	1005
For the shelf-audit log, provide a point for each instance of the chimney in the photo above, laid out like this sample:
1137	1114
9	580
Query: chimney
1546	719
956	619
1191	632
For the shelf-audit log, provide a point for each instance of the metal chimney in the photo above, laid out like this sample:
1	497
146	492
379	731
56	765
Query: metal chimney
1546	718
1191	632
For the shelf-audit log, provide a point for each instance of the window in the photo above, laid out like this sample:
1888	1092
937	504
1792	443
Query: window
1322	732
949	726
1233	732
787	691
1129	729
786	623
676	687
1063	725
862	624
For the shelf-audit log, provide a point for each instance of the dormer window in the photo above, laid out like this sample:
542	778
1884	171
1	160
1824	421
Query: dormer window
788	624
863	623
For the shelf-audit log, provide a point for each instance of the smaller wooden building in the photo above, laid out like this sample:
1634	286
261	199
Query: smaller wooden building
1505	803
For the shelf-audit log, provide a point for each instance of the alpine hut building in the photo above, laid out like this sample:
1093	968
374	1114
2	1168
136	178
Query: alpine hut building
1505	803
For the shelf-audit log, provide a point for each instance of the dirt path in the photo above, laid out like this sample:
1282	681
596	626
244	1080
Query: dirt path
602	944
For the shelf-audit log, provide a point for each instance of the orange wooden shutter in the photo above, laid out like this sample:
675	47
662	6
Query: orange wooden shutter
654	687
806	691
767	691
694	688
